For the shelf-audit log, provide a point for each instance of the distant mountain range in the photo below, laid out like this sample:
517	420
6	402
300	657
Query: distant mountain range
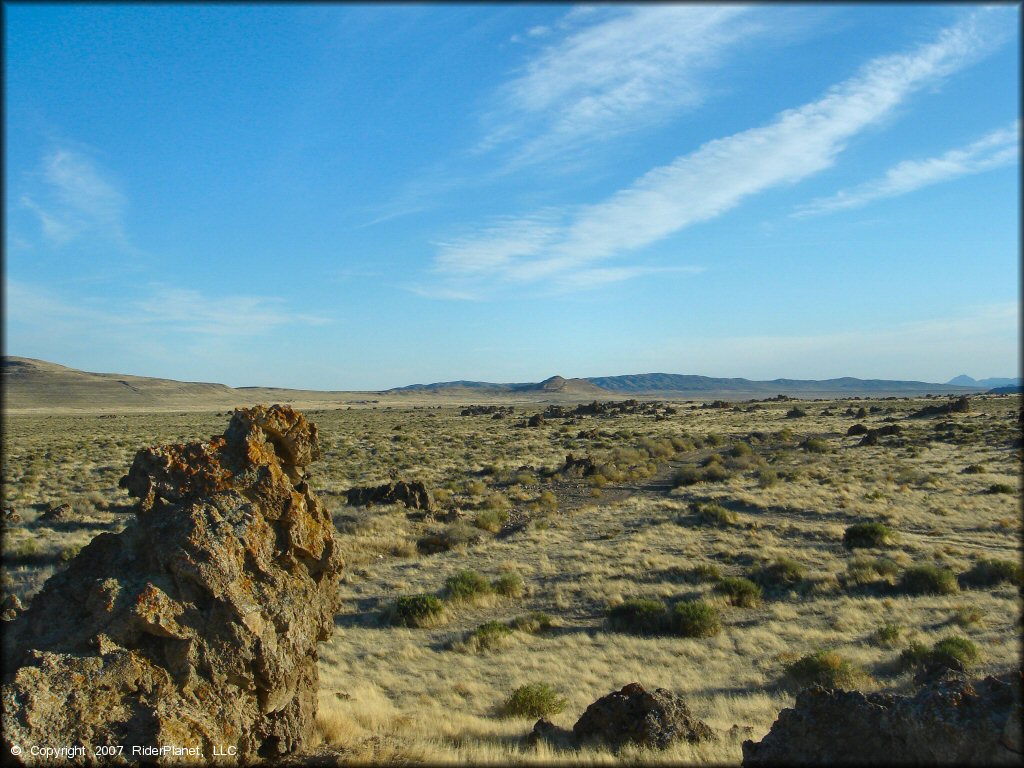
676	384
39	385
963	380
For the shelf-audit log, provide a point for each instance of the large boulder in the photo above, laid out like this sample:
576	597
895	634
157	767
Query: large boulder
950	721
414	495
196	627
638	716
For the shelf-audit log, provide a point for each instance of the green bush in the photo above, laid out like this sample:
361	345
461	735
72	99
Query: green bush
988	573
928	580
825	668
687	476
740	449
740	591
867	535
955	648
534	700
467	586
509	585
695	618
639	616
416	611
1001	488
949	651
766	477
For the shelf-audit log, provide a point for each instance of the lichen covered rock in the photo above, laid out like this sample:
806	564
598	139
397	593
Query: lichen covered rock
197	625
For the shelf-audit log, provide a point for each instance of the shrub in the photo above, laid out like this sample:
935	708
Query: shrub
867	535
715	514
782	574
955	648
928	580
491	520
467	586
914	655
950	651
739	591
509	585
1001	488
695	618
740	449
533	622
988	573
487	637
825	668
687	476
767	477
888	634
640	616
705	572
416	611
795	413
534	700
974	469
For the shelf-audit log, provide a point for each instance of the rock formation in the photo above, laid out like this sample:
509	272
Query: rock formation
414	495
196	627
636	715
950	721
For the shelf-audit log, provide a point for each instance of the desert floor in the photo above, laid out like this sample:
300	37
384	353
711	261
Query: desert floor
679	498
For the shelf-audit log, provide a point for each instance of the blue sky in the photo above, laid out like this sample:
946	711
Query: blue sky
361	197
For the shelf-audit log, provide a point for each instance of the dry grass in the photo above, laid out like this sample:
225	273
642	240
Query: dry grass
395	693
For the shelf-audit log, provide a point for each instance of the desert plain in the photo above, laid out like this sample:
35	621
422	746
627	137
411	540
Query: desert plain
563	537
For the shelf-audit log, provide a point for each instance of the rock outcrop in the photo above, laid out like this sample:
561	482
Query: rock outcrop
638	716
414	495
951	721
196	627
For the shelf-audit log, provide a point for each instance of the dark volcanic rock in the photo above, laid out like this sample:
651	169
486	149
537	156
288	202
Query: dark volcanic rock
574	467
951	722
58	513
635	715
197	625
856	429
414	495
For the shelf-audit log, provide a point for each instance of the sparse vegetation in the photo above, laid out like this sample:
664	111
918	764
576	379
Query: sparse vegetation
467	587
423	669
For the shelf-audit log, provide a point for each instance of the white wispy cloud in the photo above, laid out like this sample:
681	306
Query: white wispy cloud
76	198
720	174
624	70
995	150
164	311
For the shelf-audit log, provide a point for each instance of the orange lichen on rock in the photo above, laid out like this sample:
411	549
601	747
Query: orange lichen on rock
198	624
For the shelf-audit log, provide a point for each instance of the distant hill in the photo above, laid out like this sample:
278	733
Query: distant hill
652	383
29	383
674	384
553	384
1012	389
963	380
